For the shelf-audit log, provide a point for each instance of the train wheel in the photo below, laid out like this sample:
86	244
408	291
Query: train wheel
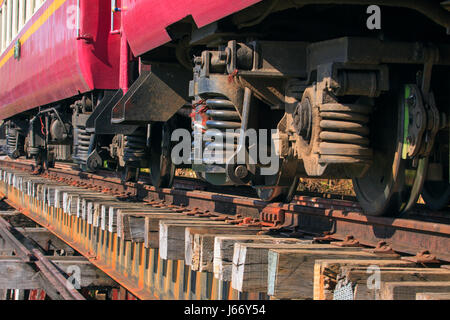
162	169
379	190
395	179
436	190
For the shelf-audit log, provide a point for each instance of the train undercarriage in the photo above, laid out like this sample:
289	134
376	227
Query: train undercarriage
264	110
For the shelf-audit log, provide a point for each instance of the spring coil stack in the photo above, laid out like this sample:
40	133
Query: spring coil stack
82	145
12	142
135	145
220	136
344	133
32	149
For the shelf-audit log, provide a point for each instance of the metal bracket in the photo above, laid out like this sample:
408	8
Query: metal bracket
272	216
382	248
422	257
327	237
159	92
349	241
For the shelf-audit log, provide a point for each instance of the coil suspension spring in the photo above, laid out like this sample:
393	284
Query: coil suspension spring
82	145
220	123
135	145
344	135
12	139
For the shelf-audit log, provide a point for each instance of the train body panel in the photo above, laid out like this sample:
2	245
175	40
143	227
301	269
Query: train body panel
145	21
54	65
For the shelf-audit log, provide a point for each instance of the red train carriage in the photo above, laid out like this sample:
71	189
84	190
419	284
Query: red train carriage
344	88
145	22
61	51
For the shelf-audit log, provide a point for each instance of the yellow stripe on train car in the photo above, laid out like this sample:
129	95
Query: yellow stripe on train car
33	28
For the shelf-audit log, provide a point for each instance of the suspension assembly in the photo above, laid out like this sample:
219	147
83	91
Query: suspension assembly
83	141
135	145
130	152
14	140
216	115
332	134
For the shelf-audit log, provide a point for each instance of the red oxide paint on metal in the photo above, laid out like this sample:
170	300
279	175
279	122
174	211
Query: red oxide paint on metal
37	294
53	64
114	294
145	21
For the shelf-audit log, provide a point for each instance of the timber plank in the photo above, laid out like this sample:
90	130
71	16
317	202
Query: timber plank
90	276
151	226
432	296
113	211
250	262
224	251
131	222
330	271
408	290
199	244
291	272
15	274
172	236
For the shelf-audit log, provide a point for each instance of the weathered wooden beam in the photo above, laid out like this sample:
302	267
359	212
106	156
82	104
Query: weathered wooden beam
131	222
4	245
224	251
98	211
432	296
51	279
151	231
102	208
291	272
172	236
46	239
250	262
199	244
6	252
19	220
9	213
392	275
408	290
93	207
73	201
15	274
111	225
327	273
89	275
59	194
84	202
70	200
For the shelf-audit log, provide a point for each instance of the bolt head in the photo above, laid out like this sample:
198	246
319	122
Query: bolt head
241	171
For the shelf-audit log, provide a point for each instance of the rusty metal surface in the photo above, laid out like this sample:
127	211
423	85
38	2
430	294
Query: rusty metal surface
138	269
315	216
